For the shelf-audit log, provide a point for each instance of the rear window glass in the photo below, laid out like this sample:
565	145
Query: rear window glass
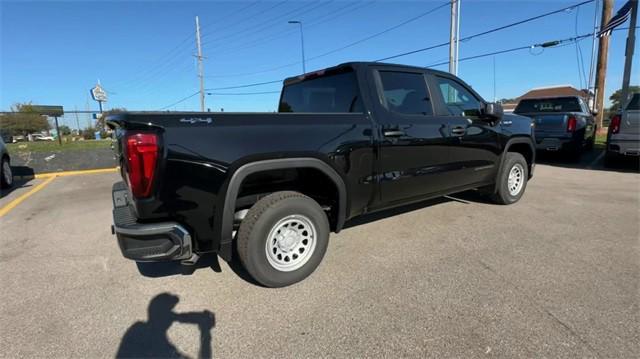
635	102
561	104
328	93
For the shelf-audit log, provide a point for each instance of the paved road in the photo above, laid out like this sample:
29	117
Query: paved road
556	275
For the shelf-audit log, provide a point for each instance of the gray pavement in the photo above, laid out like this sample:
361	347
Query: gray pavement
555	275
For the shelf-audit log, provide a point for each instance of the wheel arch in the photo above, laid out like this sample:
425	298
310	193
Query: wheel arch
522	145
238	177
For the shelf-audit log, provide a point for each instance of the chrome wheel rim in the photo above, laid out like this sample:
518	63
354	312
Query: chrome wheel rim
291	243
516	179
6	171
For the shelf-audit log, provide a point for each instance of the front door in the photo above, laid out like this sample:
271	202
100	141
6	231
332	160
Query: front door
474	142
413	141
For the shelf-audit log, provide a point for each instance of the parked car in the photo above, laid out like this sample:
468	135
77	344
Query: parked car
41	137
623	136
18	138
6	175
561	123
346	141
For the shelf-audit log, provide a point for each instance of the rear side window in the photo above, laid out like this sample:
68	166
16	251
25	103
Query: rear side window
328	93
560	104
634	104
406	92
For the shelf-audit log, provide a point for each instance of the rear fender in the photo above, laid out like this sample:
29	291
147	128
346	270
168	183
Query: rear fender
235	182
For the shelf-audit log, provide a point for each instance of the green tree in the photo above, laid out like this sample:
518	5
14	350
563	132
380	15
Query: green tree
23	121
65	130
100	123
616	97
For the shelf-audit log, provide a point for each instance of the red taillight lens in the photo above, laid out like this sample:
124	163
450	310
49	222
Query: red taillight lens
142	155
615	124
572	123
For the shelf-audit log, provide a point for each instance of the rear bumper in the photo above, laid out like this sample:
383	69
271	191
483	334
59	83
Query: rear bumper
147	242
555	143
624	147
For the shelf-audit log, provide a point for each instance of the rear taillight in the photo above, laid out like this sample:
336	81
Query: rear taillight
615	124
572	123
142	156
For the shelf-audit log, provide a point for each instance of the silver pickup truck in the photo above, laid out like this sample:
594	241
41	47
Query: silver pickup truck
623	137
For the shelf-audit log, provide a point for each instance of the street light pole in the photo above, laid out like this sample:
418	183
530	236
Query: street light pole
304	69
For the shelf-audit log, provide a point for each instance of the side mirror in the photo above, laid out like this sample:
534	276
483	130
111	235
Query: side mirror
493	110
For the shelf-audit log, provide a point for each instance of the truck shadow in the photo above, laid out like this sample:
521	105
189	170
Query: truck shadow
21	177
148	339
209	260
376	216
591	160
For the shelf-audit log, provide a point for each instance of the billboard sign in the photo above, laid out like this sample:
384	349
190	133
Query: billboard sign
99	94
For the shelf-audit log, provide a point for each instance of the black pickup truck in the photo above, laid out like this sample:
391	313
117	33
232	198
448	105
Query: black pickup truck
269	187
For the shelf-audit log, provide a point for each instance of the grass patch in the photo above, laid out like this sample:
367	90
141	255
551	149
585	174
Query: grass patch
53	146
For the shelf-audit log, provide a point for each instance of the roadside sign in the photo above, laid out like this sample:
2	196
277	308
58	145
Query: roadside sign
99	94
52	111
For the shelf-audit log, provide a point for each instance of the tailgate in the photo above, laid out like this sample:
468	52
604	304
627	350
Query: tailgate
630	125
549	124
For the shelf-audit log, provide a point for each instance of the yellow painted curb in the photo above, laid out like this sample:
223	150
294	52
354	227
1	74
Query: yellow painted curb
75	173
4	210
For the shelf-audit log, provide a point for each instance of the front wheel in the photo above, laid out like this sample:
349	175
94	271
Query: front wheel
512	180
283	238
6	177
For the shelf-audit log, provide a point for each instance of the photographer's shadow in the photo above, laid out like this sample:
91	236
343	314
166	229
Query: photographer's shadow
149	339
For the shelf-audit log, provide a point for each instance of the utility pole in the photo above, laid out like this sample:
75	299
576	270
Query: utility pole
200	66
601	67
454	36
631	42
77	120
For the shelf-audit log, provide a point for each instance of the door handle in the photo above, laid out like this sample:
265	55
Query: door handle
458	131
393	133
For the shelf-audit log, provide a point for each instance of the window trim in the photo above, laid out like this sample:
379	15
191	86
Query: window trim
383	101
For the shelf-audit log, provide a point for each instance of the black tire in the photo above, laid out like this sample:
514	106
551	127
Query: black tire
4	166
503	195
263	218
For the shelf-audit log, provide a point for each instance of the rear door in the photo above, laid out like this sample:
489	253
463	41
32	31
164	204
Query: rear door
413	160
473	141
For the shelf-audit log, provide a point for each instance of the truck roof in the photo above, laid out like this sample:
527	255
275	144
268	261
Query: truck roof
355	65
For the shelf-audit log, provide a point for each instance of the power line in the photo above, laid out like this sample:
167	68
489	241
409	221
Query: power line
361	40
241	93
307	7
488	31
548	44
381	32
329	16
244	86
181	100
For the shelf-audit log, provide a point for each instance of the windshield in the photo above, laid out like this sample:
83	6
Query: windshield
329	93
560	104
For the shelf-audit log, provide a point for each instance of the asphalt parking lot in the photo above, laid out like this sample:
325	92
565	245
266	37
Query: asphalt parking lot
555	275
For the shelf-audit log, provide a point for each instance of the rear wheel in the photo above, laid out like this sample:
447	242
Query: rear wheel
283	238
6	177
512	180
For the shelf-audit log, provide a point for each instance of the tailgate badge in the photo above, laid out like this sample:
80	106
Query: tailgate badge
193	120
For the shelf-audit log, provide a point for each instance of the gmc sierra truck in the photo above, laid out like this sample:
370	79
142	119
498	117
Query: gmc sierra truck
270	187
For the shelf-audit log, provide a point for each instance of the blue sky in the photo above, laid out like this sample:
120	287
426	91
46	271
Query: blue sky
142	51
